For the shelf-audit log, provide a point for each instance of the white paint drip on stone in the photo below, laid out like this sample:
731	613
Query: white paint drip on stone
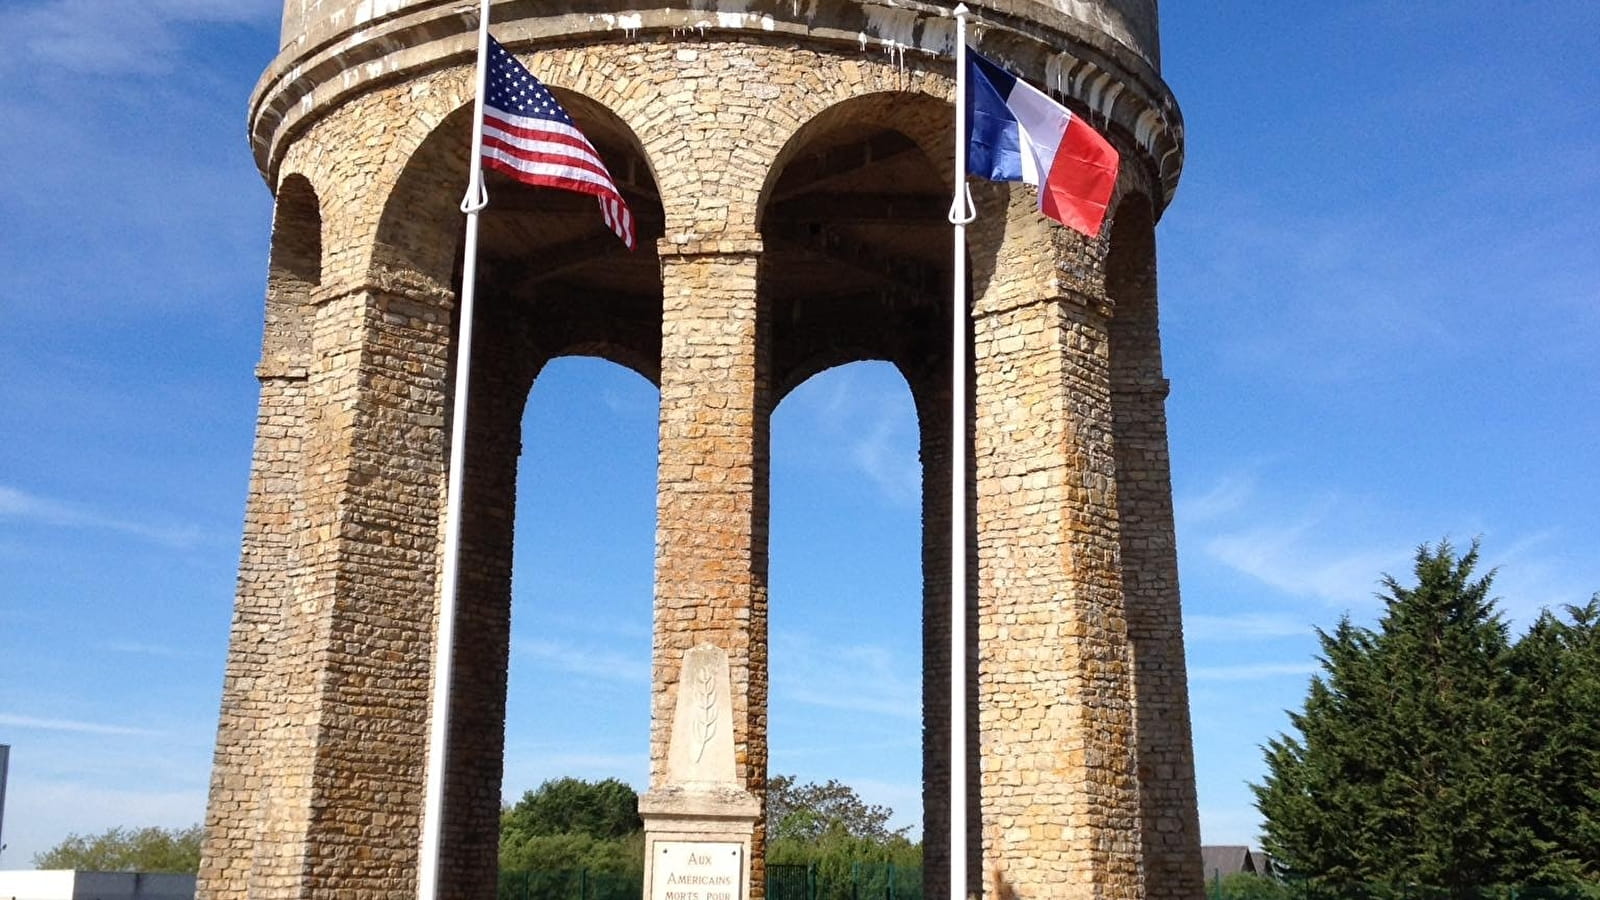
893	27
939	37
896	53
1145	127
628	23
1097	91
1056	67
1109	105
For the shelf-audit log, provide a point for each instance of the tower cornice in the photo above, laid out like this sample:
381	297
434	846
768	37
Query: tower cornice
1110	74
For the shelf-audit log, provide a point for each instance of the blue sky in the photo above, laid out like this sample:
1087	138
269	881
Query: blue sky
1381	311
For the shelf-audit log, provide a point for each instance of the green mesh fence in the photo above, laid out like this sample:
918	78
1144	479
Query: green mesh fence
791	882
570	884
1250	887
844	881
885	881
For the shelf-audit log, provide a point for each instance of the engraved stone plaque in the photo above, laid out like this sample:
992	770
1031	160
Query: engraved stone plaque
696	870
701	750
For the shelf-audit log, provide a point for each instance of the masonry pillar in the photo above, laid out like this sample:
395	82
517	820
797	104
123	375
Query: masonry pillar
261	717
1060	805
341	790
933	420
502	368
1170	827
377	455
708	749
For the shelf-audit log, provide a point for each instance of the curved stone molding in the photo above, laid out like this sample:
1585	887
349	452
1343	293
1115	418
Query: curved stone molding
377	43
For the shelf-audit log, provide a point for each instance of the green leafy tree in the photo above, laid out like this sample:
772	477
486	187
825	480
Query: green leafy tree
846	841
127	850
1403	769
807	812
569	823
560	852
600	809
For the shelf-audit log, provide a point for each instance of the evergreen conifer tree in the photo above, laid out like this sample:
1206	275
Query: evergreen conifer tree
1557	667
1401	772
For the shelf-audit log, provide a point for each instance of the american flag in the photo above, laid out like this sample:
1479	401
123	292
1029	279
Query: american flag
527	135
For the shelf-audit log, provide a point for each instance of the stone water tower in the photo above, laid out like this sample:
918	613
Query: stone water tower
788	164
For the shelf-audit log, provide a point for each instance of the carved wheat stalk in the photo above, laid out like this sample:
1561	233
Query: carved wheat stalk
705	724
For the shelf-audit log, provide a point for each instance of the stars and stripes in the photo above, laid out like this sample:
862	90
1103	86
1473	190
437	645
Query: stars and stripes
527	135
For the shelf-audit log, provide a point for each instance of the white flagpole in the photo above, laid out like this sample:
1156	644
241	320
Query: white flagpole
444	635
961	212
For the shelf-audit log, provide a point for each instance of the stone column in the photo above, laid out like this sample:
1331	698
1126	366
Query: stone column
376	460
1060	799
708	731
341	783
258	714
933	420
1171	827
501	371
255	784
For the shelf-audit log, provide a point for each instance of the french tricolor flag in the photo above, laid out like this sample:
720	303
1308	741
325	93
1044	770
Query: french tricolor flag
1017	133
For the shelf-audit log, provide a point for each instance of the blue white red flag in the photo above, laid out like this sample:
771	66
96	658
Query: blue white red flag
1017	133
527	135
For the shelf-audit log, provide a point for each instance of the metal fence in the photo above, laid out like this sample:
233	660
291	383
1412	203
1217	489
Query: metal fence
791	882
570	884
862	881
1254	887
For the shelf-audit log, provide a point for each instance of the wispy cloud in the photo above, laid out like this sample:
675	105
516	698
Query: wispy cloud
1243	627
1305	547
880	452
1335	548
904	798
69	725
1538	571
20	506
856	417
1229	494
42	813
1289	557
98	38
860	678
526	768
589	661
1230	825
1345	321
1253	671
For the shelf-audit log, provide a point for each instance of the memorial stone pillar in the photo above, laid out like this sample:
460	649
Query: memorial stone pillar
702	814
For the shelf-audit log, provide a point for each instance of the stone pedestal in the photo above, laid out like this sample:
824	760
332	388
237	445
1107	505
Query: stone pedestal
700	824
697	842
